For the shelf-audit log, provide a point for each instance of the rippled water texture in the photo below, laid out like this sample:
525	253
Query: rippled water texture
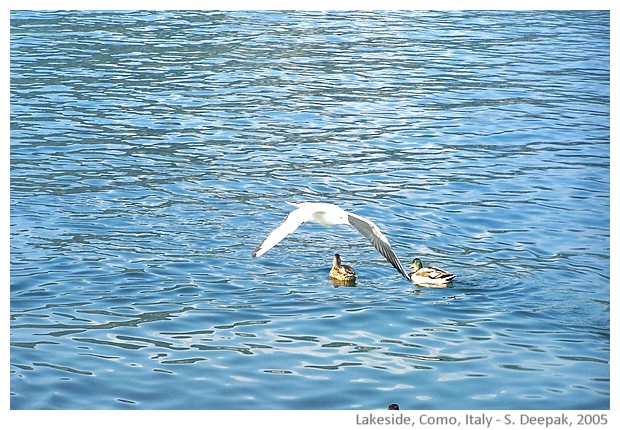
152	151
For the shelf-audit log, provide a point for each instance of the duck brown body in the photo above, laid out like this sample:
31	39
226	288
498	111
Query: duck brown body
341	272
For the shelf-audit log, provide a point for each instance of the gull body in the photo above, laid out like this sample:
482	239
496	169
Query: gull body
329	215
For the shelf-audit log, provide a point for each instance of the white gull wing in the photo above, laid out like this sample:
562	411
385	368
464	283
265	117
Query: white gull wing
289	225
378	240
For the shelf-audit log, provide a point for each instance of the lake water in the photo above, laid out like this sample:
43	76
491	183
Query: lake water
152	151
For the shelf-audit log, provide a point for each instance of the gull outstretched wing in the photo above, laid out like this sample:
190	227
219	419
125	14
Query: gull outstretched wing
289	225
378	240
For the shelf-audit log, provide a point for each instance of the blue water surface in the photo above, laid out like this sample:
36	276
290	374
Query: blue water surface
152	151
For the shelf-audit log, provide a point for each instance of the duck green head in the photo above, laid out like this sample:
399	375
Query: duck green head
416	264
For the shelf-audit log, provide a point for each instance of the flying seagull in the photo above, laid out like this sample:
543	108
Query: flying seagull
329	214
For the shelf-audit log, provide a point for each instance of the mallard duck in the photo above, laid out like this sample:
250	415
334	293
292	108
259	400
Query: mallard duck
340	272
329	214
428	275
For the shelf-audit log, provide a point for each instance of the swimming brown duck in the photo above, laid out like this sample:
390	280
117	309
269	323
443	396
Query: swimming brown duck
341	272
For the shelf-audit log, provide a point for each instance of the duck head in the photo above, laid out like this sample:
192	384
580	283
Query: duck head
416	264
337	260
